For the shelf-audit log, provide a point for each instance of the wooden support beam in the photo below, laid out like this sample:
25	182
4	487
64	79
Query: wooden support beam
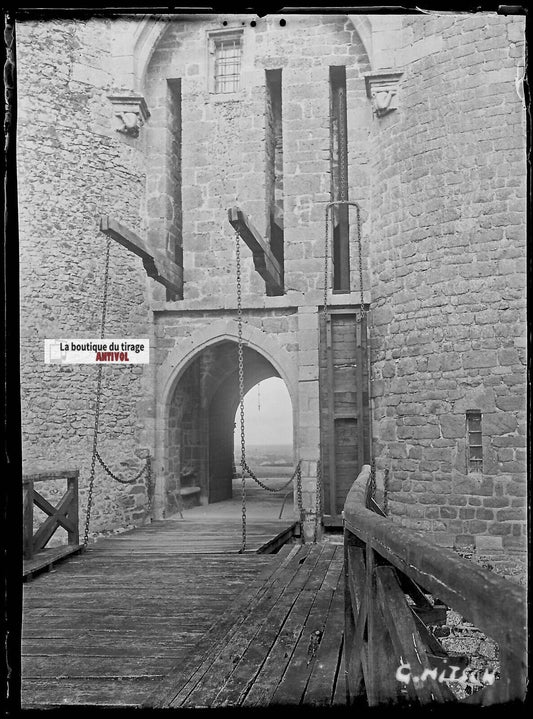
161	269
264	261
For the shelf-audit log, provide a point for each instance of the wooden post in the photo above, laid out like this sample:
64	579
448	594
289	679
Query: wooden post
359	370
161	269
331	424
265	262
355	650
72	512
27	486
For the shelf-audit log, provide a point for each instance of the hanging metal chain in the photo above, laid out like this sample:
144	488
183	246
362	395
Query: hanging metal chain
147	469
142	471
299	500
245	468
362	310
318	500
252	475
372	483
386	491
97	400
240	356
149	487
93	459
343	145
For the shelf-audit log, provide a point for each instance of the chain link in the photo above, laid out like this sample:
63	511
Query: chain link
362	311
252	475
93	459
142	471
97	400
240	358
147	469
342	159
318	500
301	512
386	492
245	468
372	484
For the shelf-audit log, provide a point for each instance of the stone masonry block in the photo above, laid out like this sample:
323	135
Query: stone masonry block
477	359
484	544
498	423
308	372
452	426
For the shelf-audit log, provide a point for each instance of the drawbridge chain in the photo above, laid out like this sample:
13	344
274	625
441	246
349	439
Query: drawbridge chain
245	468
147	469
361	316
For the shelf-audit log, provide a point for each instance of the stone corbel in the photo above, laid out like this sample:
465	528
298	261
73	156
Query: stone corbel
131	112
382	89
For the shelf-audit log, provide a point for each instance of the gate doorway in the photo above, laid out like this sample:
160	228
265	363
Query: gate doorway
201	424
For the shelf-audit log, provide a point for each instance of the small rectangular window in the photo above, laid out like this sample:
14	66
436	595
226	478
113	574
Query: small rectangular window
474	441
227	64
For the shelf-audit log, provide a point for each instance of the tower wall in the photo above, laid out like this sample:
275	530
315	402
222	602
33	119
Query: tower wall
447	249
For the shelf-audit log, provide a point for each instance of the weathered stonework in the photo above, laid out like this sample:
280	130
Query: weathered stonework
441	186
448	279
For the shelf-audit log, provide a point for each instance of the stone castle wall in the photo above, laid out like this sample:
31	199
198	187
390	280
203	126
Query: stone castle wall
440	182
448	282
225	143
72	168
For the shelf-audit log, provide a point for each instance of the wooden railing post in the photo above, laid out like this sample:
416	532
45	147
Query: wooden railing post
390	652
27	520
382	687
73	534
65	515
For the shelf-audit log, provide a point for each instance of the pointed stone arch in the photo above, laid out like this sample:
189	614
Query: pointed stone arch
133	45
181	358
135	41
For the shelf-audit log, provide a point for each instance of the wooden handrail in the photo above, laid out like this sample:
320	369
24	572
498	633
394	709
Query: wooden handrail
64	514
390	560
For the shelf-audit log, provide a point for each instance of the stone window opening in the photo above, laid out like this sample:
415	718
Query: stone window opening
474	441
274	163
174	177
339	178
226	55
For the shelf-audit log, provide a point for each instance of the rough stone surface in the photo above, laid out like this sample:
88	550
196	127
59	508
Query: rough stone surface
441	185
72	168
448	272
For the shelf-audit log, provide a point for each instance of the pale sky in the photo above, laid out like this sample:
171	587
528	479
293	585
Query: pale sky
267	414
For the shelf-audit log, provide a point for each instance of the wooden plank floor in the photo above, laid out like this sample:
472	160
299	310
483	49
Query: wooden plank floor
105	629
172	615
285	648
176	537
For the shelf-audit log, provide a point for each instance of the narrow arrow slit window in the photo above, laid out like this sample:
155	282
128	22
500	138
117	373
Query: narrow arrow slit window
474	441
339	178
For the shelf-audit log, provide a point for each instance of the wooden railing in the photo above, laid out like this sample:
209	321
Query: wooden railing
391	657
64	514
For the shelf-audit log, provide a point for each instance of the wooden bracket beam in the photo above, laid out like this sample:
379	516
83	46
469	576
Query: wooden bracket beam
264	261
162	270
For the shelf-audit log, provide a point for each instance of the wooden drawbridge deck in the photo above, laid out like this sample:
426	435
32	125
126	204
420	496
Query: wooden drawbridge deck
171	615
